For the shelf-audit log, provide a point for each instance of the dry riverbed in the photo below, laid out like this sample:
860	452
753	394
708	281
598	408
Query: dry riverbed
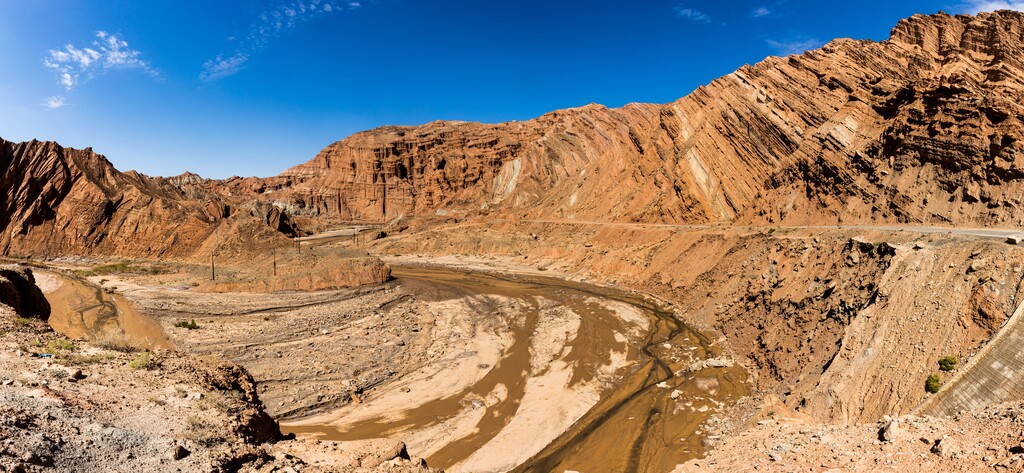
474	372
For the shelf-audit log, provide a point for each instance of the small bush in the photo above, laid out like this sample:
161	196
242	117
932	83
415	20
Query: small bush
142	362
187	324
120	268
947	363
933	383
22	321
81	360
201	432
116	343
59	345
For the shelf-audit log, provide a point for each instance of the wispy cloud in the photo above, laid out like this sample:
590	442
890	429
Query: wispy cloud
794	46
760	12
975	6
74	64
268	25
223	66
692	14
54	102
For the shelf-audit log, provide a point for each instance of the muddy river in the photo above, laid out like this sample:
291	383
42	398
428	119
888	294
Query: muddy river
616	397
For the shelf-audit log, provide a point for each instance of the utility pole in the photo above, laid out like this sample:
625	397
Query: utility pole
275	261
213	268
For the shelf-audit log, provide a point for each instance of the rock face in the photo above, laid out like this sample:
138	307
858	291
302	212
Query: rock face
65	201
19	291
250	422
920	128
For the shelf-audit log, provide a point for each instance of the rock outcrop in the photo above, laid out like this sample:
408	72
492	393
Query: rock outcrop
18	290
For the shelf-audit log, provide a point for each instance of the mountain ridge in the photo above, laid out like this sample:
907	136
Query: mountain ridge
920	128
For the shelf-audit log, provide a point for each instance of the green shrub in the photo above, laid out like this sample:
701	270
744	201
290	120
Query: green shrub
142	362
58	345
933	383
947	363
187	324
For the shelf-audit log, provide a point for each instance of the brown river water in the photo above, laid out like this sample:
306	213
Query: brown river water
647	418
81	310
641	423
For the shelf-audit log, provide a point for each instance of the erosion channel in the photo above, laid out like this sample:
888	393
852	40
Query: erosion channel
585	378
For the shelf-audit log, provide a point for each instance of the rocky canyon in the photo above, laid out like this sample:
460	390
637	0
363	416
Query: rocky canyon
761	275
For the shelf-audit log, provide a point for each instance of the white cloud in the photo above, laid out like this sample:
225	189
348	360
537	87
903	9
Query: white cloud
268	25
222	67
54	102
975	6
760	12
692	14
108	51
794	46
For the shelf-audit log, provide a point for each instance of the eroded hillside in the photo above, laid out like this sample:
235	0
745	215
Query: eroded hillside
919	128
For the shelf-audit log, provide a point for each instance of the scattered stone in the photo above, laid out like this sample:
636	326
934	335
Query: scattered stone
178	452
942	447
888	432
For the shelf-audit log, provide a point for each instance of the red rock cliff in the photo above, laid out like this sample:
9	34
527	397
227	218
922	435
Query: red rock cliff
919	128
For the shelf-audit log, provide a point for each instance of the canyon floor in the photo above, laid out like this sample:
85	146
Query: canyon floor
529	346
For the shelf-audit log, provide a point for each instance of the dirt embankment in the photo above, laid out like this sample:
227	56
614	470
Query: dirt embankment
311	271
831	321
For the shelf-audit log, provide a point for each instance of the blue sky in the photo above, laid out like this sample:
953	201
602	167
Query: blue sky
252	88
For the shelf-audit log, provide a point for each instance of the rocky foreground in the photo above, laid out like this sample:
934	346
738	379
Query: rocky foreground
991	439
74	406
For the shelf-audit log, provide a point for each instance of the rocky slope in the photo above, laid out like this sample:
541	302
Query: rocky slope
843	325
918	128
70	405
984	440
65	201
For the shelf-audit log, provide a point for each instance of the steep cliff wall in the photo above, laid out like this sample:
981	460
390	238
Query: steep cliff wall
919	128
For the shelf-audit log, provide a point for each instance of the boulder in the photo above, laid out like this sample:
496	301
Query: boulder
19	291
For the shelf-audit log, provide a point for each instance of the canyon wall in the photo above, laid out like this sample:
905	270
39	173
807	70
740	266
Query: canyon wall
63	201
920	128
